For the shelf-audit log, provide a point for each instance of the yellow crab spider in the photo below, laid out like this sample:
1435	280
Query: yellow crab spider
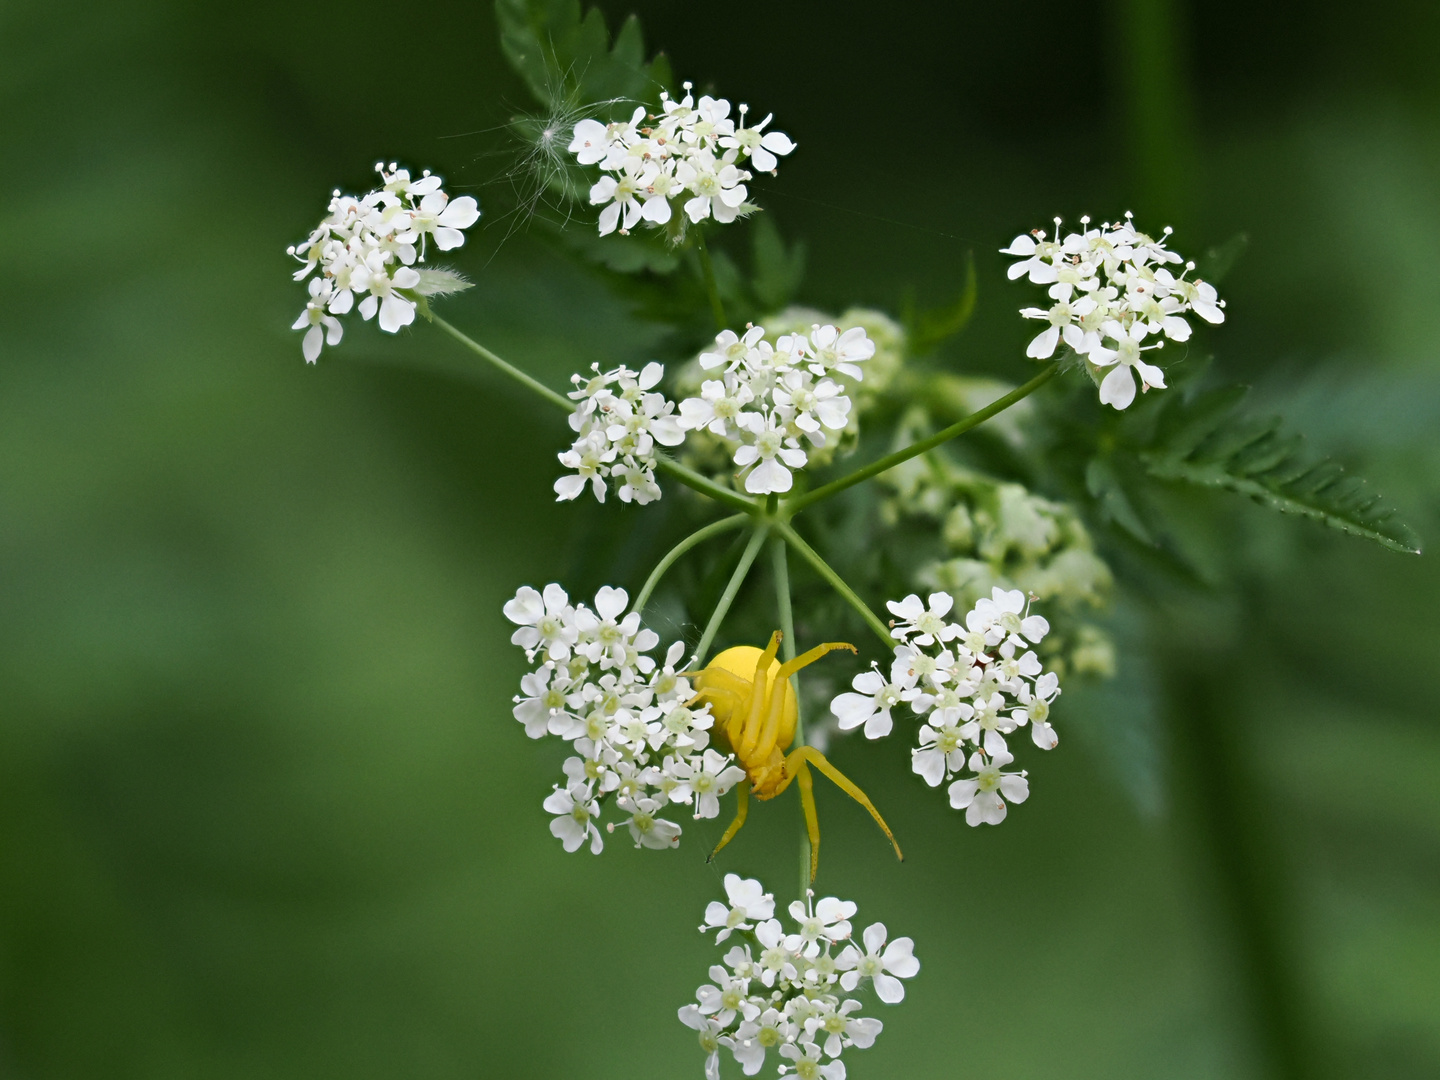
755	714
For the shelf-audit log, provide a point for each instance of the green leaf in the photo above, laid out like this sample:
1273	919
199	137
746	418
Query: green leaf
1205	442
639	251
567	60
778	270
927	329
1104	485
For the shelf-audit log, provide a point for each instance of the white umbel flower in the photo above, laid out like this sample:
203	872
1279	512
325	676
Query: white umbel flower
705	780
637	741
973	682
367	249
767	400
791	997
686	155
1111	286
647	829
808	1064
619	420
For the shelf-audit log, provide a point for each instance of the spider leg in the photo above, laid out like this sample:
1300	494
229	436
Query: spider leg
728	690
780	731
759	697
769	735
802	754
715	693
742	807
812	822
805	659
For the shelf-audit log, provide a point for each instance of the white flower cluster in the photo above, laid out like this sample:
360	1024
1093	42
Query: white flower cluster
686	149
627	718
1112	288
971	688
368	247
618	421
787	994
769	397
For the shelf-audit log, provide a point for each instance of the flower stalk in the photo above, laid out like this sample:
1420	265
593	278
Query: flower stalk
715	528
528	381
732	587
836	582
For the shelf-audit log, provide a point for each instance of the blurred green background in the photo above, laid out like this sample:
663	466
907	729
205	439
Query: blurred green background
263	810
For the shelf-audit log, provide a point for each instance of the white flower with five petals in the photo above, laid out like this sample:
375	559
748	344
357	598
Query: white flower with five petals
748	903
884	964
575	817
983	796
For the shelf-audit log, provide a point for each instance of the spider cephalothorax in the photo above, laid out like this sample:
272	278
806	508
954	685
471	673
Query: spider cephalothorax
755	715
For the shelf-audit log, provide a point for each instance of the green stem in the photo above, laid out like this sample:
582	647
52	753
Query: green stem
781	569
703	484
837	583
509	369
715	528
707	271
800	502
731	588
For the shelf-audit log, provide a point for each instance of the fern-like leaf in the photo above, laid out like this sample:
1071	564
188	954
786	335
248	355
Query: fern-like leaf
1206	442
566	59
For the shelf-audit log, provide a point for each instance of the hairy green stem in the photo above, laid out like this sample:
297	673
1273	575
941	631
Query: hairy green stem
712	287
509	369
731	588
800	502
715	528
836	582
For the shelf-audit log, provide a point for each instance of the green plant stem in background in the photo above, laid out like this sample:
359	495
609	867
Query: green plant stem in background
836	582
1159	106
715	528
800	502
712	288
731	588
1222	802
509	369
781	569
